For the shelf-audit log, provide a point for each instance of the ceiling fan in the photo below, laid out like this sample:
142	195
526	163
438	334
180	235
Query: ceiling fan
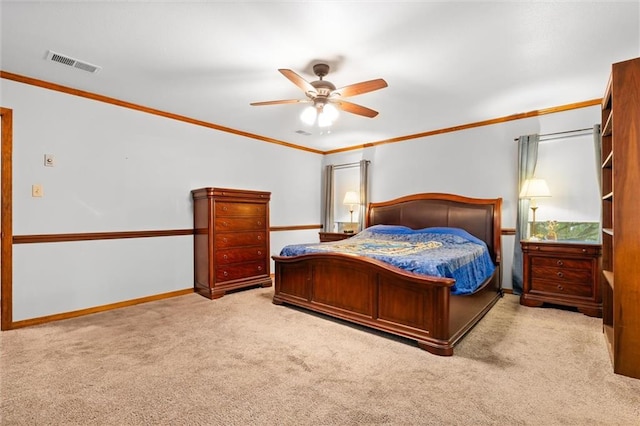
325	97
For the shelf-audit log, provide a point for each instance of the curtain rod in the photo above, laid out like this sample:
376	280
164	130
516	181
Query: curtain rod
344	166
562	133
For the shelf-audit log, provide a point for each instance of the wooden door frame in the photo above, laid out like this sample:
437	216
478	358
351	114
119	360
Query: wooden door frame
6	221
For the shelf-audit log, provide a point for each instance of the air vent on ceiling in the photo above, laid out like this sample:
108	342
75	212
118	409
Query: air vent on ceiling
302	132
75	63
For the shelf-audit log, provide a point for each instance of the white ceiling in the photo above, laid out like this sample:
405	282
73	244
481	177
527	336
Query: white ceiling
446	63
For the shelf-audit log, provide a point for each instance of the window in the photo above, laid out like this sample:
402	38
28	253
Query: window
572	212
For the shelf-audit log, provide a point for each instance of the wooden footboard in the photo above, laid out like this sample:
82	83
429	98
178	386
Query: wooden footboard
371	293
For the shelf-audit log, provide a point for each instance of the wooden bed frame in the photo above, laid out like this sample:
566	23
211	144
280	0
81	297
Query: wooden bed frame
380	296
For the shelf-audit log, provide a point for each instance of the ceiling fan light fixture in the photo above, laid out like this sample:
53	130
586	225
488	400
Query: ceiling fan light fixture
330	111
323	120
309	114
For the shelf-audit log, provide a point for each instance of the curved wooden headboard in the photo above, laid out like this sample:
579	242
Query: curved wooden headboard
480	217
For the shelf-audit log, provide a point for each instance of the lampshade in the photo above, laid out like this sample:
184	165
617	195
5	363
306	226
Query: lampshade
351	198
324	113
309	114
535	188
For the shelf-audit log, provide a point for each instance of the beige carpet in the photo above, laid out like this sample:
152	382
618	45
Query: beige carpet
241	360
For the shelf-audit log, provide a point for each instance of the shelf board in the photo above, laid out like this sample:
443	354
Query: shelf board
608	276
608	231
608	162
608	335
608	197
606	99
607	129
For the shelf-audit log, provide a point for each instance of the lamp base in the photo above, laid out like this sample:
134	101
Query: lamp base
533	222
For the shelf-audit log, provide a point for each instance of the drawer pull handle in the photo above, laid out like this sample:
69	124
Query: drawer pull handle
259	268
225	224
584	250
259	237
225	208
560	274
224	240
225	257
260	223
259	253
225	273
560	288
560	263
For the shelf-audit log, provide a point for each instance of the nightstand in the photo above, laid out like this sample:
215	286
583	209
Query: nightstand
562	273
334	236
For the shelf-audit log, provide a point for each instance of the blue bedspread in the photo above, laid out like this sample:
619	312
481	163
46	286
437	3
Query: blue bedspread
440	252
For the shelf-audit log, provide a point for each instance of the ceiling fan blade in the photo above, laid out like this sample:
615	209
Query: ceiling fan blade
284	101
360	88
298	81
355	109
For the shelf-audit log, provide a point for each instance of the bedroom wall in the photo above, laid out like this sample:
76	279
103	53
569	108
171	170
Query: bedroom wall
123	170
478	162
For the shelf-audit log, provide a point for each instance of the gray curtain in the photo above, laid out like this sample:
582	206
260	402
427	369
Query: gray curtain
327	225
527	159
364	192
597	145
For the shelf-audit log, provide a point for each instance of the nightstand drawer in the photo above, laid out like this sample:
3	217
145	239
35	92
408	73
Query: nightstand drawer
558	289
562	274
559	249
559	262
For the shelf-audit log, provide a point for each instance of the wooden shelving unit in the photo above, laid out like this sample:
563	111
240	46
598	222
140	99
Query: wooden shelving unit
621	217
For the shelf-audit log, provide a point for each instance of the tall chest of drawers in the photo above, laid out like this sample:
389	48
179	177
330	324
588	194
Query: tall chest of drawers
231	240
562	273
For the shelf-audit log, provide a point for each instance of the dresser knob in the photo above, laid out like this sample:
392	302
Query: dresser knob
225	208
560	288
259	268
259	237
260	223
225	257
584	250
259	252
225	224
560	274
560	263
224	240
225	273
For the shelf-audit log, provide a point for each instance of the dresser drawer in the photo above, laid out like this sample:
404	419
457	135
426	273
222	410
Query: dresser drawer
239	239
560	262
240	223
561	288
236	255
242	270
240	209
562	274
